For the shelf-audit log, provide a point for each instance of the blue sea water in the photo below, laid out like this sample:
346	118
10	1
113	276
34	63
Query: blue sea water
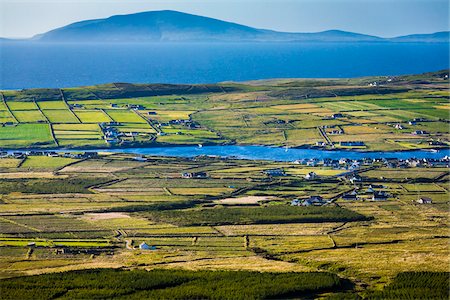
264	152
31	65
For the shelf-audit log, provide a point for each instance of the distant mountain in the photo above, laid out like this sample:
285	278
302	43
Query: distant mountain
442	36
173	26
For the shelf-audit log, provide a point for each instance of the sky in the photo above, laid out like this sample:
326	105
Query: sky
385	18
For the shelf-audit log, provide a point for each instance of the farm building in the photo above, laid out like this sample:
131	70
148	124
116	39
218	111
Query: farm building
355	179
336	116
274	172
135	106
195	175
336	132
313	200
380	196
316	200
419	132
424	200
311	176
139	158
52	154
145	246
321	144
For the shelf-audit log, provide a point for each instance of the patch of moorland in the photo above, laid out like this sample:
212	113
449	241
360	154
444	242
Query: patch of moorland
168	284
416	285
48	185
275	214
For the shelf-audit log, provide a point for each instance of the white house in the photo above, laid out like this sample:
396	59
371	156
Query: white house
425	200
311	176
145	246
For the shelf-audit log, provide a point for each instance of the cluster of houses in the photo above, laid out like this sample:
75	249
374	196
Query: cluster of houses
278	122
112	135
373	192
413	122
186	123
353	164
24	154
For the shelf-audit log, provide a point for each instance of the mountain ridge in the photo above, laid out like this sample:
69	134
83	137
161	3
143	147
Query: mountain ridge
174	26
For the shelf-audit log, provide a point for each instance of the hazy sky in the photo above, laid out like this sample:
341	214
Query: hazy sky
387	18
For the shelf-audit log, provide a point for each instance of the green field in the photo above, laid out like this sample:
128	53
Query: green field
29	116
24	135
92	116
45	162
124	116
60	116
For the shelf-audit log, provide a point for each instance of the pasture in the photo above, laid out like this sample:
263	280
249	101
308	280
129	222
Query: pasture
279	114
96	212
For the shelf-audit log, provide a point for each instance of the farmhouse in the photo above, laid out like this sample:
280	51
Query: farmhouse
337	116
419	132
425	200
355	179
336	132
52	154
145	246
436	143
135	106
311	201
398	126
316	200
195	175
380	196
311	176
321	144
139	158
274	172
151	113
